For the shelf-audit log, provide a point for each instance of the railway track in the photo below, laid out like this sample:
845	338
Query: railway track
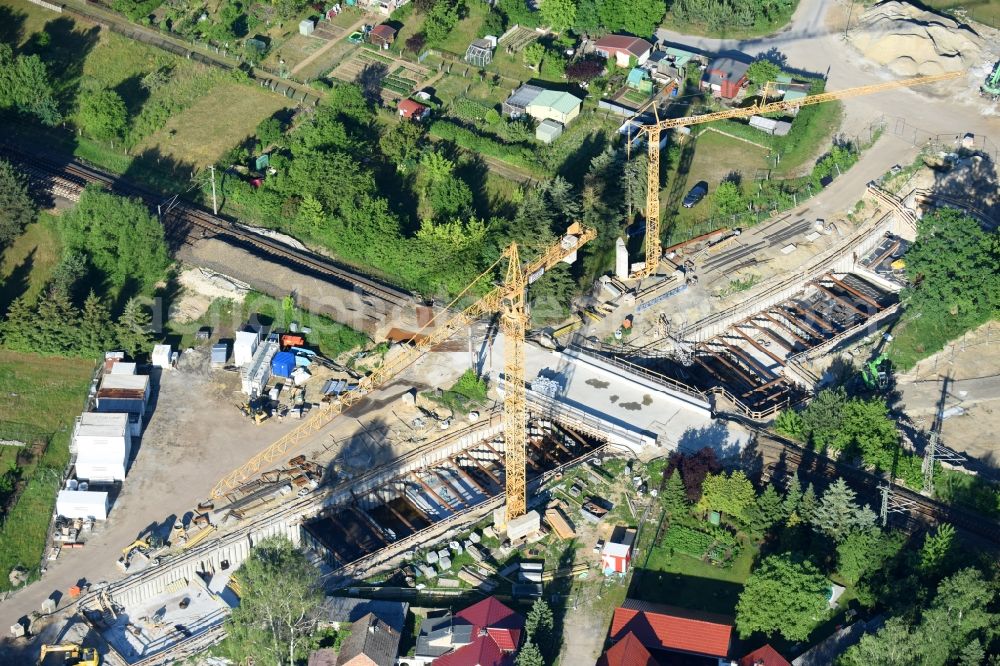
919	512
186	222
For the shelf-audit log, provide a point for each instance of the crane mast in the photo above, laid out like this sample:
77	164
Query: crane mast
654	130
507	299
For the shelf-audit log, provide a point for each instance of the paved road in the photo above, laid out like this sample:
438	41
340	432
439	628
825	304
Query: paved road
814	42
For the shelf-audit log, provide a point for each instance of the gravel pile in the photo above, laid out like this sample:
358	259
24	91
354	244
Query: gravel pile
915	42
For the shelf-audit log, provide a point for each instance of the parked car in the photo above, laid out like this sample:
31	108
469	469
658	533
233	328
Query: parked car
696	194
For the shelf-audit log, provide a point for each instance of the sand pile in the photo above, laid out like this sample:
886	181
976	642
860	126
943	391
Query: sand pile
912	42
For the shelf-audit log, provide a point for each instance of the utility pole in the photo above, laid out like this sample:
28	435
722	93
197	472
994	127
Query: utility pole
215	205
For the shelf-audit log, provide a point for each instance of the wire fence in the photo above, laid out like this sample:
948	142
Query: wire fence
944	360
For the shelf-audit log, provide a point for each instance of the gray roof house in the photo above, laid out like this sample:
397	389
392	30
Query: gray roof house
337	611
517	104
440	635
372	643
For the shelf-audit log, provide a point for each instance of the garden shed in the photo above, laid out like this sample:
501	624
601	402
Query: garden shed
382	35
306	27
479	53
548	130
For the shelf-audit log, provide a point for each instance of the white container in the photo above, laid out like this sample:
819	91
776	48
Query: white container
102	435
244	347
100	471
161	356
82	504
121	368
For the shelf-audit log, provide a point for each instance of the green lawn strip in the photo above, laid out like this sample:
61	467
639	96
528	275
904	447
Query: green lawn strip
43	396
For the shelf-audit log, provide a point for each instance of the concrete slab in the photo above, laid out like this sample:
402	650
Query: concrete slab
674	419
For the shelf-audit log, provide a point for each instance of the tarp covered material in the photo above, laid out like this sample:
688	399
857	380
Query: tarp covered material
282	364
127	383
82	504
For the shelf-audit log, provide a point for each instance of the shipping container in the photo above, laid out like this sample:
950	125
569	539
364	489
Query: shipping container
161	356
82	504
282	364
102	435
245	347
100	470
122	368
220	354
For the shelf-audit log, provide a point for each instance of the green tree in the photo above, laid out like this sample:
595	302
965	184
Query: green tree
533	54
892	645
838	515
539	621
866	428
808	504
864	552
102	114
281	593
789	423
121	238
763	514
559	14
402	144
824	416
270	133
793	495
674	496
133	329
761	71
57	324
937	549
641	17
729	199
96	333
441	20
731	495
25	86
782	595
529	655
310	217
17	209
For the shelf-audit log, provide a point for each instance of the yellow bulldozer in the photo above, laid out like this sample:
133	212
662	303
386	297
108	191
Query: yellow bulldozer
73	654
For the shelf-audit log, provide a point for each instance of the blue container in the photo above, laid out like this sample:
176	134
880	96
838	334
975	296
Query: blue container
282	364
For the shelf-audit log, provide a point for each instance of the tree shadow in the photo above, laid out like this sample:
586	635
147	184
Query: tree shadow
574	168
133	94
970	183
16	284
370	79
64	54
474	171
11	25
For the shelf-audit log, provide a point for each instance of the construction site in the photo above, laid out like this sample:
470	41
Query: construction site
378	475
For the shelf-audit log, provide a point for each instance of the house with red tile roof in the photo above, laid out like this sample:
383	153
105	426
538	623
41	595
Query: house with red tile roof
492	634
629	651
764	656
667	629
412	110
622	48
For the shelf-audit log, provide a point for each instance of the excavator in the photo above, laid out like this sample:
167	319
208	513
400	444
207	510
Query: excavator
991	87
73	654
143	545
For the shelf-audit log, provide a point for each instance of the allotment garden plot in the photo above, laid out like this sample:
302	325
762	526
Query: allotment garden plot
398	78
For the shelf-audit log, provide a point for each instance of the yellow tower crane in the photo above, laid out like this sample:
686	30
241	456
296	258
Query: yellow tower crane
653	130
507	299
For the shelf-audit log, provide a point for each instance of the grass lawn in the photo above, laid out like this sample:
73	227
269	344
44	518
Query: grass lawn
690	583
80	55
984	11
42	396
200	135
29	261
462	34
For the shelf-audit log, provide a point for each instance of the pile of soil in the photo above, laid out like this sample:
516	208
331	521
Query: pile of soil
915	42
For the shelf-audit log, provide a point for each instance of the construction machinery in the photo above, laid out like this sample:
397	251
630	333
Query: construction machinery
144	545
507	300
991	87
73	654
653	131
875	373
254	410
